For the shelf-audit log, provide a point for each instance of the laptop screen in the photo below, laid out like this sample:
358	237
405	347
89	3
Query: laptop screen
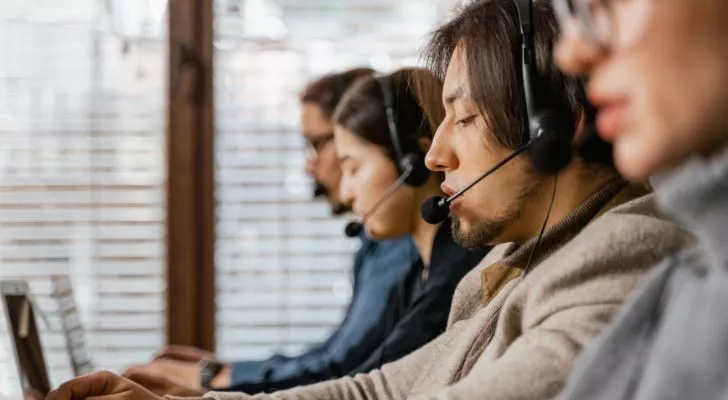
29	356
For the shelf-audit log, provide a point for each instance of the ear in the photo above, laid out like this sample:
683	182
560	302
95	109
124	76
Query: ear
424	143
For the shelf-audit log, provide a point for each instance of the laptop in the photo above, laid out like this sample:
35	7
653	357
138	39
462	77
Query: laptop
30	361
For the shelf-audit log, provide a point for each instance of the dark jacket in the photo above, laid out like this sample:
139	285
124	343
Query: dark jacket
415	311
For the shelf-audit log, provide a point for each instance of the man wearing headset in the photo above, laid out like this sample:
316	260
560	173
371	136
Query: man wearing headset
659	75
571	245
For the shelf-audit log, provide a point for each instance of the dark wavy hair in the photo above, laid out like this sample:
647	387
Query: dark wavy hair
327	91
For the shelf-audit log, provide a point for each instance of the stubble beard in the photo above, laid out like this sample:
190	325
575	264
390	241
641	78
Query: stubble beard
486	231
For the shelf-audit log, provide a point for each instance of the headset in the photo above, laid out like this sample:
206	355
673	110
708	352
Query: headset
554	152
555	128
412	163
410	166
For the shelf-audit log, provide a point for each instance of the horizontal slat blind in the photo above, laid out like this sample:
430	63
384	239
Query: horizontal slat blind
279	255
82	186
282	261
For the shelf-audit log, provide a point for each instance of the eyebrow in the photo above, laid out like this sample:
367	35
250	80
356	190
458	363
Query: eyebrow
343	158
454	95
319	134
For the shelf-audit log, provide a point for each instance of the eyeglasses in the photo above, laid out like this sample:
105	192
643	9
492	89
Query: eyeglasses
314	146
593	17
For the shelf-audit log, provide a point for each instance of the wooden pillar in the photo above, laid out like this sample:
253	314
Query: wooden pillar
190	172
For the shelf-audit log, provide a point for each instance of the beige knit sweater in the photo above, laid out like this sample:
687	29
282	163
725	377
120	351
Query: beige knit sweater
521	345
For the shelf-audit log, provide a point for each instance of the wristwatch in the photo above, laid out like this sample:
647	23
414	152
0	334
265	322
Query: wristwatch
208	371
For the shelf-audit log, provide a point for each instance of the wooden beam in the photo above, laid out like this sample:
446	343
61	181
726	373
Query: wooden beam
190	174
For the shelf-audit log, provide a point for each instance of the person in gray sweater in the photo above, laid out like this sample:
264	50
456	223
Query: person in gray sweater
659	76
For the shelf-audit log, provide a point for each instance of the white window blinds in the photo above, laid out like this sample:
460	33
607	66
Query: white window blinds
82	176
283	264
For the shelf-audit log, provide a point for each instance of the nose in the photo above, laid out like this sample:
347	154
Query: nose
310	167
441	157
346	193
574	53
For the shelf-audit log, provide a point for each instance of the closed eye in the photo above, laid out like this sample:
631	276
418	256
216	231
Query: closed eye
348	168
466	121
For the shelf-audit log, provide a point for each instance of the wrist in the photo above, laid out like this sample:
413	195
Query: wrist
223	378
209	370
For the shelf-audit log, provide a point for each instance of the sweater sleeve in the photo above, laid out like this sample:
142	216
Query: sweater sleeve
417	324
393	382
371	338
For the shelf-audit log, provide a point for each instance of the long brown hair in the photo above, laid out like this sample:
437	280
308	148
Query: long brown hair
362	110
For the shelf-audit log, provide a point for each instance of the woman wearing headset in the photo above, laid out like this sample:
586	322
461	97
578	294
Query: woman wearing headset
381	136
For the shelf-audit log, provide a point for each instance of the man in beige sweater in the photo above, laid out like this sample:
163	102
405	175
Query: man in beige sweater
519	320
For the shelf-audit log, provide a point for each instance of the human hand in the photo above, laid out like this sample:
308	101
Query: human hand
185	353
161	385
32	394
178	373
101	386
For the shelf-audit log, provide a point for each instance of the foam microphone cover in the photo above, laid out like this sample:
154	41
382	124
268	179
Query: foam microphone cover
353	229
593	149
433	211
552	151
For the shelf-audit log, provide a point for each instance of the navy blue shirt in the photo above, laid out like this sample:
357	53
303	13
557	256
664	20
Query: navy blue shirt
379	270
408	308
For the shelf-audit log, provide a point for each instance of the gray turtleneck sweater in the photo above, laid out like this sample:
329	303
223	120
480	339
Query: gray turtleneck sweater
670	342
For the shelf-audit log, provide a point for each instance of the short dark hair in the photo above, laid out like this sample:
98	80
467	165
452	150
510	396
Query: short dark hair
327	91
362	110
489	31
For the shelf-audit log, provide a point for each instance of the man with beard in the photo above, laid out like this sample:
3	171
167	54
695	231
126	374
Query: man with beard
380	269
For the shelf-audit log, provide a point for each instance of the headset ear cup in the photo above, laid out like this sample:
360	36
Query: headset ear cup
553	150
593	149
420	173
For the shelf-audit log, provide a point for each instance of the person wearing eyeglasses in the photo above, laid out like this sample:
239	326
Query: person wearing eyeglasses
569	245
658	73
318	102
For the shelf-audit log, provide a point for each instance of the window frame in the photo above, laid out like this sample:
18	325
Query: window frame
190	222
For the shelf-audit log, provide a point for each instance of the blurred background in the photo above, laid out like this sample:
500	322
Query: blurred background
84	167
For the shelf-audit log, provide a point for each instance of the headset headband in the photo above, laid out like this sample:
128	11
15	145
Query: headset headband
385	85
